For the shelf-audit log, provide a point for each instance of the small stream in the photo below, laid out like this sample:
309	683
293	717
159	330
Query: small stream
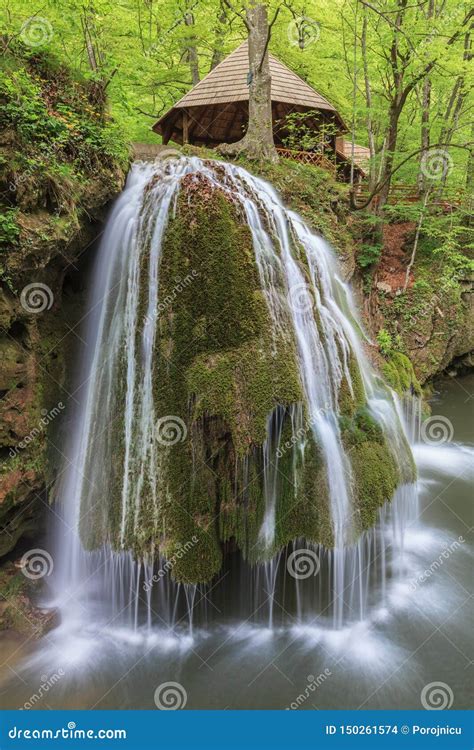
420	636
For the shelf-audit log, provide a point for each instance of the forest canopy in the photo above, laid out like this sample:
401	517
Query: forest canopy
388	66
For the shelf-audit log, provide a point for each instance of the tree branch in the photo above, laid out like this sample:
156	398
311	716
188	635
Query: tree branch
382	184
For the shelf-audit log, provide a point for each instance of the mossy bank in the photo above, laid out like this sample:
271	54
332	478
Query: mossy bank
61	162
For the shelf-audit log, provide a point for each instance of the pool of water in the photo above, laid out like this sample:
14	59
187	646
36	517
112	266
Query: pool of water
419	635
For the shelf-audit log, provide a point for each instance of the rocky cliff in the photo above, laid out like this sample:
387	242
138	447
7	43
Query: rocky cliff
61	162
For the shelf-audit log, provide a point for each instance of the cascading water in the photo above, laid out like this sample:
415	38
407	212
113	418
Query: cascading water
318	575
115	450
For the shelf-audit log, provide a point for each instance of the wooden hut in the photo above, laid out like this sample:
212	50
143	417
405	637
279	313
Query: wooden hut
216	111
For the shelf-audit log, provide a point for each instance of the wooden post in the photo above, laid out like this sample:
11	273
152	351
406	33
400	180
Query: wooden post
167	131
185	126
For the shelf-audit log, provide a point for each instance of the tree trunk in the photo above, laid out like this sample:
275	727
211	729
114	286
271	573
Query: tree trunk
258	141
219	35
368	103
425	112
417	238
456	102
193	58
470	166
425	132
391	140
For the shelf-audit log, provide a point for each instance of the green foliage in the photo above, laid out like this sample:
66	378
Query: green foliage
9	229
448	238
141	52
61	159
56	122
384	341
307	131
368	255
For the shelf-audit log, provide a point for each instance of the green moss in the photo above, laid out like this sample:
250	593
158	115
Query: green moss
220	372
350	402
303	508
360	428
311	191
223	369
243	385
376	477
399	373
432	319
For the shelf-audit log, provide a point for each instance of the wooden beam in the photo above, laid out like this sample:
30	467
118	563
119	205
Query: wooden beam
167	129
185	121
167	133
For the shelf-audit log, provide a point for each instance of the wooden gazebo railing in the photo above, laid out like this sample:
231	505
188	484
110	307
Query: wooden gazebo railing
308	157
403	193
399	192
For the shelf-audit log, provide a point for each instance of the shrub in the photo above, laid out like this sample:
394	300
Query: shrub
384	341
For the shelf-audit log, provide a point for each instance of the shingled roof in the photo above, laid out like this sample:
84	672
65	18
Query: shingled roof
218	105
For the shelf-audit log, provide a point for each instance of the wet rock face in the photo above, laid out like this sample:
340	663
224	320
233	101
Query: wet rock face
432	319
51	211
39	310
217	437
36	346
435	331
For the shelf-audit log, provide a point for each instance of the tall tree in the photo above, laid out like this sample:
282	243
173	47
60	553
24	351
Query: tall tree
403	65
191	50
425	112
257	142
219	36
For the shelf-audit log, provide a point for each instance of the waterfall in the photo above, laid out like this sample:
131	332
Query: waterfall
112	475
